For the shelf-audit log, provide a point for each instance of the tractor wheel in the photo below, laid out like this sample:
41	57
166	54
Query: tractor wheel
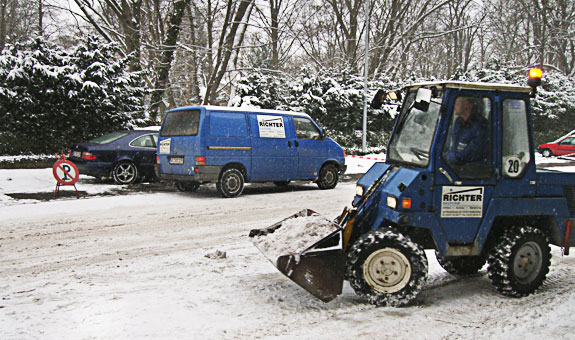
546	153
231	183
328	177
519	261
461	265
187	186
125	172
386	268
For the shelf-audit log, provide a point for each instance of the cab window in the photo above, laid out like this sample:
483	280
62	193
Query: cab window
305	129
515	150
468	150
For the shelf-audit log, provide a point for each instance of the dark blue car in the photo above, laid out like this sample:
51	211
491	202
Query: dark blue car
125	156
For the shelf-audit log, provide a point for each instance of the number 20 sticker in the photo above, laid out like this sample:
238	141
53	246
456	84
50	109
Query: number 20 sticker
512	166
65	172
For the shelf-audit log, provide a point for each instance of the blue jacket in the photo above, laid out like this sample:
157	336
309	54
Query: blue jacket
469	141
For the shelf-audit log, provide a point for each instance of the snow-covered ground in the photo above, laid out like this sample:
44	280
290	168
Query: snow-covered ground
170	265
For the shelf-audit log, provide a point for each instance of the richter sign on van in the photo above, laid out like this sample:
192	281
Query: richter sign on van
462	202
271	127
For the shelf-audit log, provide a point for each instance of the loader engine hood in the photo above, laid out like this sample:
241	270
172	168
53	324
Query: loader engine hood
401	190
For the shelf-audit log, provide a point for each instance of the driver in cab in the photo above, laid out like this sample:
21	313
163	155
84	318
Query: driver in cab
469	139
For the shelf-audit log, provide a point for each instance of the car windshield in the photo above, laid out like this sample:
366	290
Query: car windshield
181	123
109	138
411	141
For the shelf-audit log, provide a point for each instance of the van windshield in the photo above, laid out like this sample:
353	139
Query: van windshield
181	123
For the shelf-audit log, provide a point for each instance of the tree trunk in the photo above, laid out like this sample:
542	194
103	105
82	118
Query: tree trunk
166	58
224	52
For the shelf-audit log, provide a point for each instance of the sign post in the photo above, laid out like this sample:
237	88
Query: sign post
66	173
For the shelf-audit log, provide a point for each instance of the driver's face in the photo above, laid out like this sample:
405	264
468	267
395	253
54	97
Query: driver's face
462	106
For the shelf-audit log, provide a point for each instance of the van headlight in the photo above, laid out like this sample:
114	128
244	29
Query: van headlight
359	190
392	202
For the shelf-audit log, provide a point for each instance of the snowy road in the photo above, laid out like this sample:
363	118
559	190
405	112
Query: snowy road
143	266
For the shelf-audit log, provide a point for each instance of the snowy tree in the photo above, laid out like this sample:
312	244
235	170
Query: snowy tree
334	99
59	97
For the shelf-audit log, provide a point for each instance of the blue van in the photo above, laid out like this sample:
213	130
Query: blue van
231	146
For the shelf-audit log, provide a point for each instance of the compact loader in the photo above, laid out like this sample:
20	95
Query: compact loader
498	209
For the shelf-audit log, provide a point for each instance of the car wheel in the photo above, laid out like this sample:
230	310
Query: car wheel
187	186
125	172
231	183
328	177
546	153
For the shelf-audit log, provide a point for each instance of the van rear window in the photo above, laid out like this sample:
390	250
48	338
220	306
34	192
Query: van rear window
181	123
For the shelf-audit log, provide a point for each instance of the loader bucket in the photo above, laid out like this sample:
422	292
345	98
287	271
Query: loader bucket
308	249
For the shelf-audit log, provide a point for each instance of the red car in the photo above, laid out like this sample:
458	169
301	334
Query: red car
562	146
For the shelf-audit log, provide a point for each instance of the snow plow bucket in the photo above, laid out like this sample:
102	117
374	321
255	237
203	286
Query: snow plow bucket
308	249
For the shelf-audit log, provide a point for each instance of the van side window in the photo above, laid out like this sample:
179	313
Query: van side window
228	124
305	129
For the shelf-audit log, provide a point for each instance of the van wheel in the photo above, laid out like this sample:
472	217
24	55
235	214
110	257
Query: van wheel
125	172
328	177
187	186
231	183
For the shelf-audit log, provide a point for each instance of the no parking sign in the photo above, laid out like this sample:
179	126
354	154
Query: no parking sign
66	173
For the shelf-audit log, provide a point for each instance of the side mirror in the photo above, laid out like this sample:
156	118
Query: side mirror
378	99
322	134
381	96
423	99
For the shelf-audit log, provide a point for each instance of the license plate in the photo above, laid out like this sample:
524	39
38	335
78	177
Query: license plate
177	160
77	154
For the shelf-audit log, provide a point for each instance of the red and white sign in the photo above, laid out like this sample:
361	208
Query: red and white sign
65	172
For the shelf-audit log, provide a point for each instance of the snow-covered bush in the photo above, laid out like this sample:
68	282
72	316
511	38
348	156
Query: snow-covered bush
50	98
334	99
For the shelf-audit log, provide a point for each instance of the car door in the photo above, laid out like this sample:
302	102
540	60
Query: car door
143	150
566	146
311	148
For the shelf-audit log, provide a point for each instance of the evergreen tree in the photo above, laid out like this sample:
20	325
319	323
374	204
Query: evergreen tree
59	97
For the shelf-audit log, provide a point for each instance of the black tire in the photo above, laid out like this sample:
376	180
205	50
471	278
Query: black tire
328	177
125	172
282	183
187	186
546	153
461	265
386	268
519	261
231	183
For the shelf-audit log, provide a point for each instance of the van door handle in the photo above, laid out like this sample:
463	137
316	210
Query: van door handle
296	143
289	143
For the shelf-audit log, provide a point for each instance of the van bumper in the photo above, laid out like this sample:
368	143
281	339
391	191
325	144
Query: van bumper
207	173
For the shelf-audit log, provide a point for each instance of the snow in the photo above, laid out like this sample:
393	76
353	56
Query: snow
295	235
134	267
